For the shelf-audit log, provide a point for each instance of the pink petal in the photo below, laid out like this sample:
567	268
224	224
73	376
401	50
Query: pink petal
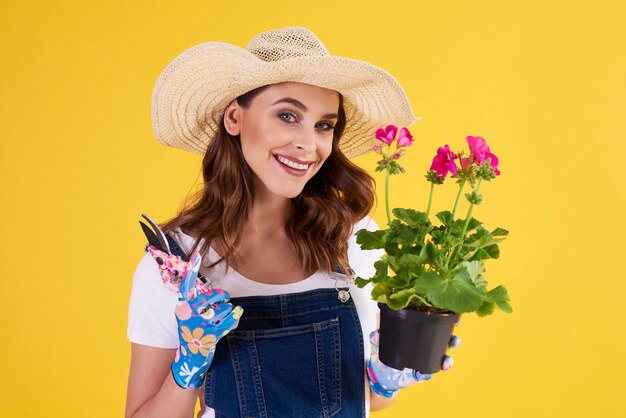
405	139
452	167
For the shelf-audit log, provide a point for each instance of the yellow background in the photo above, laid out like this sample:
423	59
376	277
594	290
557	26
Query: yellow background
542	81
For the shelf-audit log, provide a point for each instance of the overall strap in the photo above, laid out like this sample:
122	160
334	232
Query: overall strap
175	248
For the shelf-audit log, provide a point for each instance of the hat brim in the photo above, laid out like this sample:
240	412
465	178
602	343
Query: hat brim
192	92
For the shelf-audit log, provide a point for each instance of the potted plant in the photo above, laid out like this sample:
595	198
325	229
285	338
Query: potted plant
431	273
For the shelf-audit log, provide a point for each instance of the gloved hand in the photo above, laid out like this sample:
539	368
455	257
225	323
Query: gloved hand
203	318
386	381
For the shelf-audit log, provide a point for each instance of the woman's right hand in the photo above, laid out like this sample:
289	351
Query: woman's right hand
202	320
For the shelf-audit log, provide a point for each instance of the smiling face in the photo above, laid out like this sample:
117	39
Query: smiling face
286	134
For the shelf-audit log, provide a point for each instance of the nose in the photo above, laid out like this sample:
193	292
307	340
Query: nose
305	140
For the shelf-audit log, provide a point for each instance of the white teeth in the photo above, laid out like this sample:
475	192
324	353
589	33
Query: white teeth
292	164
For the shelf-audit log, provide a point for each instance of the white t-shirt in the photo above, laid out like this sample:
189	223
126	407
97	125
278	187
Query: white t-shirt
151	319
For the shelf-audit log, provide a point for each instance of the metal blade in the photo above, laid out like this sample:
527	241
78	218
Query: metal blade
152	238
160	236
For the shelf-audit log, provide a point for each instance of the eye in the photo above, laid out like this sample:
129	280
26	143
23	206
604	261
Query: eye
326	126
287	117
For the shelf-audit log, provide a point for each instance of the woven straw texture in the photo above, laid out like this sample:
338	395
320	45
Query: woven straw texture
192	92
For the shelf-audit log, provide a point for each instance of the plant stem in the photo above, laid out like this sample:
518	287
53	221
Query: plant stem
424	301
387	195
467	221
430	200
456	202
469	214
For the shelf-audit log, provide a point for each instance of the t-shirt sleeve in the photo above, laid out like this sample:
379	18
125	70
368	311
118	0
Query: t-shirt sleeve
362	261
151	319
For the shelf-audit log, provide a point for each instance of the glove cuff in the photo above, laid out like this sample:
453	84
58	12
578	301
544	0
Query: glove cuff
377	388
186	377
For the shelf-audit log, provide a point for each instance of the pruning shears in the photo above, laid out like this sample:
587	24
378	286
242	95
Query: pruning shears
172	267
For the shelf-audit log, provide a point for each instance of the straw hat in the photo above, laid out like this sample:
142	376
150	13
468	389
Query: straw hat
192	92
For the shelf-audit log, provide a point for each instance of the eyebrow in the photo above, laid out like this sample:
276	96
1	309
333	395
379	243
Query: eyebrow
301	106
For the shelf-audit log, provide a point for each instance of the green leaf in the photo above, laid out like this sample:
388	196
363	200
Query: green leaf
408	259
499	232
428	281
370	240
359	282
438	233
429	252
401	302
491	251
487	308
480	238
382	269
391	247
399	280
445	217
403	293
497	294
379	290
480	281
393	262
474	198
457	294
457	226
505	306
474	268
406	235
381	298
410	216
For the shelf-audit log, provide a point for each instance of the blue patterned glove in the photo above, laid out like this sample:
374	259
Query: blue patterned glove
203	318
386	381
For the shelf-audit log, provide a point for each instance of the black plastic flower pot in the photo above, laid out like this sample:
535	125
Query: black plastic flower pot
414	339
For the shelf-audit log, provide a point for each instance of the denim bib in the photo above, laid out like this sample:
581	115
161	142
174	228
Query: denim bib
292	355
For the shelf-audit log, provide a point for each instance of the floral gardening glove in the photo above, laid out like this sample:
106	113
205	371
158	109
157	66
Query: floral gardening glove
203	318
173	269
386	381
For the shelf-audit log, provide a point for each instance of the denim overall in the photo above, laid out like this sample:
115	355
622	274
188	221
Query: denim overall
292	355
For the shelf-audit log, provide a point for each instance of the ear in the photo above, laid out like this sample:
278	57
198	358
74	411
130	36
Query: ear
232	118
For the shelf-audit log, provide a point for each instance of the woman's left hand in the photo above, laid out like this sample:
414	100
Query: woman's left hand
386	381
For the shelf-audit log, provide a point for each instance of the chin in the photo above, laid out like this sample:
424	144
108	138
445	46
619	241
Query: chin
286	191
290	193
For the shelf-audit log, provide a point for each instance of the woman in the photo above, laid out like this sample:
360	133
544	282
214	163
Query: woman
280	331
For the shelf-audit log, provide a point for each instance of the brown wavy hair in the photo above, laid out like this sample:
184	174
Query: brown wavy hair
322	216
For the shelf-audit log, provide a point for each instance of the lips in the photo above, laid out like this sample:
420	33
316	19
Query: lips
298	172
294	163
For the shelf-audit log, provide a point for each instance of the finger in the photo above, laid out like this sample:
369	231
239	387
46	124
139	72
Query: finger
374	337
204	300
454	342
447	363
189	281
421	377
231	321
218	312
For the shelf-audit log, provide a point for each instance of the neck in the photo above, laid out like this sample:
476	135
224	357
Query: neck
269	214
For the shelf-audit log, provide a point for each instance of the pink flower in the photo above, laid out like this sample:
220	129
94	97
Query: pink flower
444	162
479	152
478	148
388	135
405	138
494	163
396	155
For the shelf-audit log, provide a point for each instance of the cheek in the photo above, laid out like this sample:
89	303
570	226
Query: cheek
325	149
